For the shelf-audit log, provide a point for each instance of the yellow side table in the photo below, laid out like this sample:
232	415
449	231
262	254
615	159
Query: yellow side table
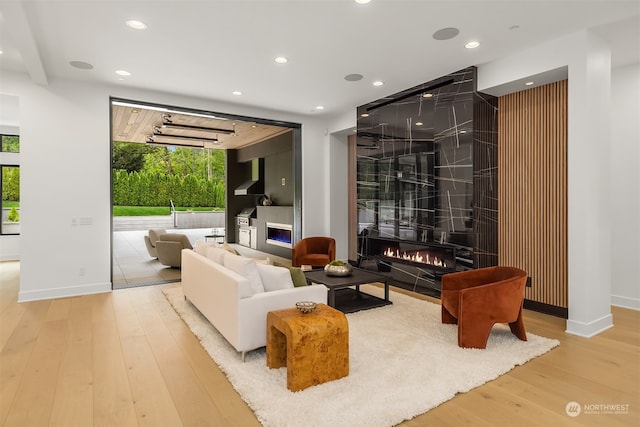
313	346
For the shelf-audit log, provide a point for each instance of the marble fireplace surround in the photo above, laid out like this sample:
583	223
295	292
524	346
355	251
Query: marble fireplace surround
427	168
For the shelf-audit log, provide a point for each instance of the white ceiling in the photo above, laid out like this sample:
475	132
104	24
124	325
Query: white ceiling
210	48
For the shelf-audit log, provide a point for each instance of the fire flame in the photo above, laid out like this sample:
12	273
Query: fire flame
415	257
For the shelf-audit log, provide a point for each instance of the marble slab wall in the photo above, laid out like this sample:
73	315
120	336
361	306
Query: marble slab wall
424	174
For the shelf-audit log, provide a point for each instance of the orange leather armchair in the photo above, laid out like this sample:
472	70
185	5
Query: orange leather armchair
315	251
478	299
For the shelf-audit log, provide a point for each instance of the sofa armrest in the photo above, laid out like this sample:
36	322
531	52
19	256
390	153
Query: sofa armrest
252	312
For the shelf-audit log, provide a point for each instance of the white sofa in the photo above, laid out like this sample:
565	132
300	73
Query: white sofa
232	302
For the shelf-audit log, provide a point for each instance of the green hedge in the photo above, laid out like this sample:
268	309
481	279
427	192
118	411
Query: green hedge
154	189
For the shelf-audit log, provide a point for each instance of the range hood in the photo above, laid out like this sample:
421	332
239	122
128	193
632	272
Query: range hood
248	187
254	185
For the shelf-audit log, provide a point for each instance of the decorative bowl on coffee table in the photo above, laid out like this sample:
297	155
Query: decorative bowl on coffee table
338	268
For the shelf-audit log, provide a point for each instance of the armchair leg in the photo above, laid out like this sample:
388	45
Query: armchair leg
474	333
517	327
448	317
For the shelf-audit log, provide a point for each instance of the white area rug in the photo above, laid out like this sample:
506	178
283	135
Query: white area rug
403	362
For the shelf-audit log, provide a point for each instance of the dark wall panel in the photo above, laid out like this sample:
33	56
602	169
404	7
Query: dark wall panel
485	180
426	167
278	178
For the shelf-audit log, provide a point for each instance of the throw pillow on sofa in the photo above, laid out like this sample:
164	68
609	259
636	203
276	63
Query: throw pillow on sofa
215	254
227	247
274	278
201	247
297	275
247	268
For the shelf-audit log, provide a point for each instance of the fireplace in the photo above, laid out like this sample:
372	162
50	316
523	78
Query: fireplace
278	234
428	256
419	258
413	265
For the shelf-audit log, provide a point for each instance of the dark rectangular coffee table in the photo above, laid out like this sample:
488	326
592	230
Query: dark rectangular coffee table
343	297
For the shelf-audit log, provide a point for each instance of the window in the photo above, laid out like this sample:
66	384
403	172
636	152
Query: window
10	144
10	183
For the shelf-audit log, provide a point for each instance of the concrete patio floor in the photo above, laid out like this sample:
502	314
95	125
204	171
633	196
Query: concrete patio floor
132	264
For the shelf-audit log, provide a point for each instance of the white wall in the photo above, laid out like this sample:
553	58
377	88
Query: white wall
65	181
339	193
625	186
339	128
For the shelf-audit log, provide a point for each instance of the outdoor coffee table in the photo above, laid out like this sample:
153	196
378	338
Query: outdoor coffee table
344	291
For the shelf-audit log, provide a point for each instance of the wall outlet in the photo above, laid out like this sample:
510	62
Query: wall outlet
284	182
85	220
82	271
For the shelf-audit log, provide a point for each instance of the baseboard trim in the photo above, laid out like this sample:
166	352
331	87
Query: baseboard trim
542	307
589	329
70	291
625	302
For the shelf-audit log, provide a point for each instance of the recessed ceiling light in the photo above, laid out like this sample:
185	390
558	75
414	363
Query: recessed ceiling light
419	123
320	107
445	33
236	93
364	115
427	95
123	73
528	83
81	65
362	1
281	60
378	83
138	25
463	131
472	45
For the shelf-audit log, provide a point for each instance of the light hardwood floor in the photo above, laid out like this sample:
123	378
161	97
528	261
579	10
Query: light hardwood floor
126	359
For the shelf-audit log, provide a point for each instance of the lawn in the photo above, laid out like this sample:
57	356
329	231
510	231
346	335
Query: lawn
154	210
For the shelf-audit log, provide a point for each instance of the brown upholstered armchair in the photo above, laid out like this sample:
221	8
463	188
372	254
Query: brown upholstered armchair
315	251
478	299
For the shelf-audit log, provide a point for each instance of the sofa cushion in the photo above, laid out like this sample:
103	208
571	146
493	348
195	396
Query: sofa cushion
274	278
297	275
247	268
227	247
215	254
201	246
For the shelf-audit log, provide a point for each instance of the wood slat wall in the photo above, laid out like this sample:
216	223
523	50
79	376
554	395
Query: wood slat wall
532	189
